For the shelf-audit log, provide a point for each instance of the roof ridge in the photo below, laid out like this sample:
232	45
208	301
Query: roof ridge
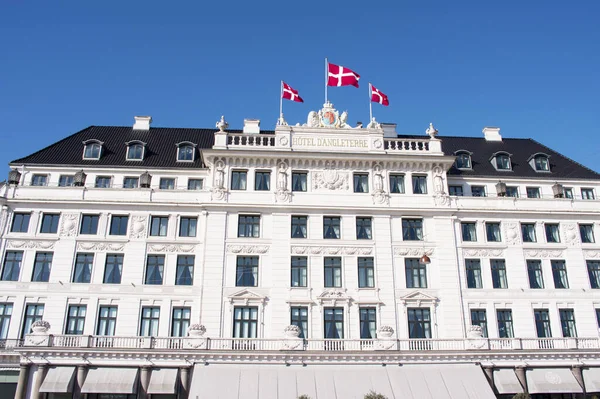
566	157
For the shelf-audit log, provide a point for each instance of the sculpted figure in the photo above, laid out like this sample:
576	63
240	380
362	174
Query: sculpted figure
219	174
313	119
377	179
282	177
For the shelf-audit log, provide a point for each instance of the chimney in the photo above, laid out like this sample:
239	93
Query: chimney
142	123
389	130
492	133
251	126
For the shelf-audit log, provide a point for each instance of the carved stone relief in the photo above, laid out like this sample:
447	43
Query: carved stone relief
416	251
282	193
247	249
138	227
571	233
171	248
591	254
544	253
218	191
483	252
331	178
30	244
297	250
512	232
69	223
100	246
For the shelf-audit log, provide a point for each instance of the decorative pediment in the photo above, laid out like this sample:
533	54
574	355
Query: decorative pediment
417	298
246	297
333	296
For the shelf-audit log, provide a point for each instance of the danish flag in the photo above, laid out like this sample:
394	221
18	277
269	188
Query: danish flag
379	97
338	75
290	94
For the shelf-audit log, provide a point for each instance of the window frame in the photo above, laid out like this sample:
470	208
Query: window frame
193	184
92	144
329	225
115	260
499	274
16	264
488	225
333	320
181	318
505	324
550	226
559	270
332	272
463	155
191	149
299	318
159	226
72	321
412	229
360	182
581	235
134	145
456	190
589	194
473	273
29	319
22	216
417	178
242	184
478	321
568	325
366	271
531	190
364	231
118	225
247	271
41	260
535	270
103	181
186	226
299	177
463	230
499	166
367	316
106	324
6	312
149	324
526	230
154	266
543	328
593	266
127	180
39	180
248	226
262	178
246	323
299	272
512	194
419	319
183	262
95	220
83	263
54	223
539	167
478	191
396	178
66	180
299	226
415	273
164	183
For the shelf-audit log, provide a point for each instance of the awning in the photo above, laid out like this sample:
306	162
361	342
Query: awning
59	380
591	379
163	381
506	381
433	381
111	380
552	380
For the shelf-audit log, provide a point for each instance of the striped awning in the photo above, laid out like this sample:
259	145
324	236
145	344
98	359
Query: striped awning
59	380
111	380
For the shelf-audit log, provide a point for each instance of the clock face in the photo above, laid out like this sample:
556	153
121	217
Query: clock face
330	119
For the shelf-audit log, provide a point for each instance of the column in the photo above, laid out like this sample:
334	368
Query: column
37	383
144	382
22	383
184	376
79	380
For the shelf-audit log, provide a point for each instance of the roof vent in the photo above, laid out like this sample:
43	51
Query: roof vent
142	123
492	133
389	130
251	126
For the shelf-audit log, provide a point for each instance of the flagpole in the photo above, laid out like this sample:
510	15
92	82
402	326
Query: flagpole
370	103
281	99
326	75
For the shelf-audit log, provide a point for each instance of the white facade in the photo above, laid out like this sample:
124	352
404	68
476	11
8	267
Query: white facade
331	159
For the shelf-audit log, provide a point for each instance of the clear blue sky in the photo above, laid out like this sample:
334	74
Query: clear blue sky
530	67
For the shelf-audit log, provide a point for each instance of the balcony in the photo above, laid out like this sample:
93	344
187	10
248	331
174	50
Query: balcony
7	346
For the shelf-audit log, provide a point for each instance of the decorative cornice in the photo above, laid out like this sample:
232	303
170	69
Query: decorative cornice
413	251
30	244
483	252
171	248
591	253
247	249
100	246
543	253
331	250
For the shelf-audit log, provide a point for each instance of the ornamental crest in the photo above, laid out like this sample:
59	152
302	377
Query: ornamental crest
328	117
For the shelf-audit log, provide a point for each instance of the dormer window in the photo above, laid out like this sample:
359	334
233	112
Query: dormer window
92	149
463	159
135	150
501	161
540	162
186	151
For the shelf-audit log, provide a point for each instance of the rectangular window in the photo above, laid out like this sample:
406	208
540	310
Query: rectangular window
396	184
333	320
368	323
65	180
593	267
12	265
39	180
107	320
478	191
567	323
479	318
83	268
331	227
299	224
587	233
416	273
75	319
187	227
534	271
568	192
299	271
185	270
361	183
469	231
20	223
33	313
118	225
246	271
456	190
533	192
245	322
131	182
587	193
366	273
149	321
238	179
473	267
363	229
5	315
249	226
42	266
505	323
512	191
262	181
299	181
299	317
155	266
419	323
195	184
419	184
166	183
89	224
103	181
333	271
499	279
542	323
412	229
528	232
492	231
159	226
552	232
113	269
559	274
49	223
180	321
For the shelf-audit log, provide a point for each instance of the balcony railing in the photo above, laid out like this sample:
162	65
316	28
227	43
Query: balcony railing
327	345
406	145
8	345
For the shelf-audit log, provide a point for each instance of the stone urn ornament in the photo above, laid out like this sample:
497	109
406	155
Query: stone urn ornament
292	331
222	124
475	332
196	330
40	327
385	332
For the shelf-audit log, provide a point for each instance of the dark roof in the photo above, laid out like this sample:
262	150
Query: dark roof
161	152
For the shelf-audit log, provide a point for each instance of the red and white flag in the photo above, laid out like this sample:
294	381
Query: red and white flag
338	75
289	93
379	97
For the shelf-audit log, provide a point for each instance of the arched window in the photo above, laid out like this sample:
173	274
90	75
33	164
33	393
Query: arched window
501	161
540	162
135	150
186	151
92	149
463	160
